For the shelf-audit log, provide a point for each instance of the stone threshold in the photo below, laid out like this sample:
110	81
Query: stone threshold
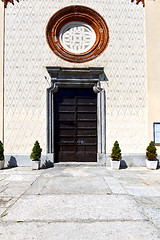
77	164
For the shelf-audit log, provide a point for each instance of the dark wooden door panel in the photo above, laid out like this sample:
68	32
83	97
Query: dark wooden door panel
75	125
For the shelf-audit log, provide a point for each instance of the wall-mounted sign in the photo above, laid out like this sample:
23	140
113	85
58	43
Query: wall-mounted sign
156	132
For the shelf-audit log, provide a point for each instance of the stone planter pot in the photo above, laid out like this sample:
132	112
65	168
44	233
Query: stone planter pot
1	164
115	164
151	164
35	164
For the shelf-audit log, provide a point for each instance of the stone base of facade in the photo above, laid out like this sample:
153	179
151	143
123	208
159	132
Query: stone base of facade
128	160
23	160
101	158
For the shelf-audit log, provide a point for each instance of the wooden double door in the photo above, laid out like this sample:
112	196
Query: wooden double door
75	125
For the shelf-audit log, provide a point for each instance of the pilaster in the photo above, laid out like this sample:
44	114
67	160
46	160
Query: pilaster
152	15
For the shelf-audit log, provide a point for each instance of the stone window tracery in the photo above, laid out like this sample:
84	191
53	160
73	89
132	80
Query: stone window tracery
77	37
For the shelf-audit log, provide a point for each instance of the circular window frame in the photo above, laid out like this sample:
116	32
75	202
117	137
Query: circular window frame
82	14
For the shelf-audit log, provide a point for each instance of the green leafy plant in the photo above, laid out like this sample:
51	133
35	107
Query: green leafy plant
116	152
36	151
1	151
151	153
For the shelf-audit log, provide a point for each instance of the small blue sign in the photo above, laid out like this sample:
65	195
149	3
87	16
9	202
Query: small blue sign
156	132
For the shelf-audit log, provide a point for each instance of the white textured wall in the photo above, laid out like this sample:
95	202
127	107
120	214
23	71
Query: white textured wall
27	54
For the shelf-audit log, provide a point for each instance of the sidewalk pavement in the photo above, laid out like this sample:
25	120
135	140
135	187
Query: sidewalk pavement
79	203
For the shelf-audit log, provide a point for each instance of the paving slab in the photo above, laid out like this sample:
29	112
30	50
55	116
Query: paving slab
2	210
142	191
79	171
76	185
97	172
57	172
3	188
15	191
20	178
131	181
19	183
142	230
153	180
76	172
2	177
79	202
154	215
21	171
128	172
114	185
38	185
5	202
148	202
157	187
74	208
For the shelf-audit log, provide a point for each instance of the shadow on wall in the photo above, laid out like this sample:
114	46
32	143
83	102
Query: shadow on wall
47	164
123	164
12	162
158	165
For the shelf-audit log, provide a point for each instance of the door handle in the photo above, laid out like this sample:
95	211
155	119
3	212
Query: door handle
68	142
80	141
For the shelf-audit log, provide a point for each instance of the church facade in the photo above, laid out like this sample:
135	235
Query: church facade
77	76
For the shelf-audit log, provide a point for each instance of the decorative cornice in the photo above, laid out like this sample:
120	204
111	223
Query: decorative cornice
11	1
138	1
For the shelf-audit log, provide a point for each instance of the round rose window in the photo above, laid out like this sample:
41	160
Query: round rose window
77	37
77	34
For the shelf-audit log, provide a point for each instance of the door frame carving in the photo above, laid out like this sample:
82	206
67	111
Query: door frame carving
78	78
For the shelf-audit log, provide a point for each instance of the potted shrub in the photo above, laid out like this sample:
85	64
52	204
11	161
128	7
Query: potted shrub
115	156
36	156
151	156
1	155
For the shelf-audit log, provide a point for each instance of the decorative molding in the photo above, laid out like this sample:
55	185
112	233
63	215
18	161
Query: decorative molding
11	1
54	87
84	15
138	1
97	88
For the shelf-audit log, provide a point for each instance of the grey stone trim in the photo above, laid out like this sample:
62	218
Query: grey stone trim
101	123
77	78
101	158
130	160
23	160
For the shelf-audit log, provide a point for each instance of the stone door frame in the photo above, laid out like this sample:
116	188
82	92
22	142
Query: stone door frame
78	78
